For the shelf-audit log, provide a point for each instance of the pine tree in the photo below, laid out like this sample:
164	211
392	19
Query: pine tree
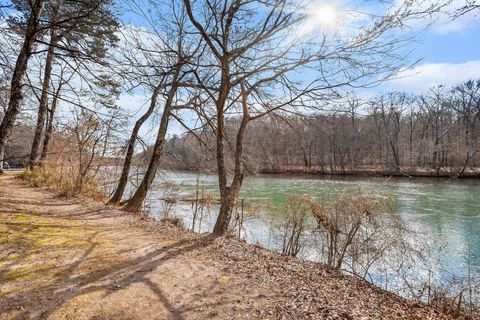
80	30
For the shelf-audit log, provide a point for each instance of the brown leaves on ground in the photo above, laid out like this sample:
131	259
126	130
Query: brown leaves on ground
64	259
305	290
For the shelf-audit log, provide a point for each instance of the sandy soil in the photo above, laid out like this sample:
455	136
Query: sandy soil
65	259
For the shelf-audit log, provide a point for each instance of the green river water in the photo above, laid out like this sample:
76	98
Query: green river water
446	211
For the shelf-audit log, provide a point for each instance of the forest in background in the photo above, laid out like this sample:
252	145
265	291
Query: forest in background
434	134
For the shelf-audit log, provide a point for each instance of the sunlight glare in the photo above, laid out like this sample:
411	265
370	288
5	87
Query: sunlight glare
324	15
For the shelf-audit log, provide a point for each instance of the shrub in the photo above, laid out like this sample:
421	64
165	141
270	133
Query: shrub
352	225
176	221
65	184
295	221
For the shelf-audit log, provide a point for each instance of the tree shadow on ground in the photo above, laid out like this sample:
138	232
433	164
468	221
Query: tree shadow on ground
72	279
68	285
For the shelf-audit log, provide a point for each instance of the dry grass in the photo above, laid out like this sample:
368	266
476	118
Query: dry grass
65	184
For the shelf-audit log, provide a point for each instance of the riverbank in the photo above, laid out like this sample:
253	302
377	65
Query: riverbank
361	172
66	259
377	172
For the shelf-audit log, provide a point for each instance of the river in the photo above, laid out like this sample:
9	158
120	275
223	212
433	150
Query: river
445	212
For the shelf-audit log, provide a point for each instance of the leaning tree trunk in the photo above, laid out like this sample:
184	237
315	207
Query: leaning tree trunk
43	105
18	73
134	204
122	182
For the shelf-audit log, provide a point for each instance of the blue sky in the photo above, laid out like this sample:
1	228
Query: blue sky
453	47
448	50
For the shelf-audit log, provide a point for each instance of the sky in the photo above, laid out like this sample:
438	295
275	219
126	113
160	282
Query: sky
447	51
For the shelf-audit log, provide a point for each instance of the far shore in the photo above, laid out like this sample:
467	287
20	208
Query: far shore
421	174
375	172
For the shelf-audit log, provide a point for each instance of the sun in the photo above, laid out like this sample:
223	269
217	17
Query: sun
321	17
324	16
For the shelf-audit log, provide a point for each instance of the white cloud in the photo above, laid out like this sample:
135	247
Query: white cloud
446	24
443	22
136	104
423	77
133	104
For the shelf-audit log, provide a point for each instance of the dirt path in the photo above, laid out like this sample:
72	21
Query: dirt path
63	259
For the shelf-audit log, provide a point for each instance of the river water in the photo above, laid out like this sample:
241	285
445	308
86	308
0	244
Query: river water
446	212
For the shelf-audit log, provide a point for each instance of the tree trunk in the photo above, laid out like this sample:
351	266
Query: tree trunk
43	105
49	129
227	203
135	202
122	182
18	74
396	161
228	195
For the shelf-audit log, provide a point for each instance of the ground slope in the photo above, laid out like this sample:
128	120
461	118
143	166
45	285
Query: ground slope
65	259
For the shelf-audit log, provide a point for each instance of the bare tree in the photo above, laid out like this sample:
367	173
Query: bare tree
145	67
177	55
470	6
466	104
63	79
251	69
431	134
123	180
391	108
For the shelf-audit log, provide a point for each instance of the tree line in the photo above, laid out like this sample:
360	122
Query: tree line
225	71
434	134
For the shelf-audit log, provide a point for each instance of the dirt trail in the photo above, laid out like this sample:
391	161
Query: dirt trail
64	259
61	259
